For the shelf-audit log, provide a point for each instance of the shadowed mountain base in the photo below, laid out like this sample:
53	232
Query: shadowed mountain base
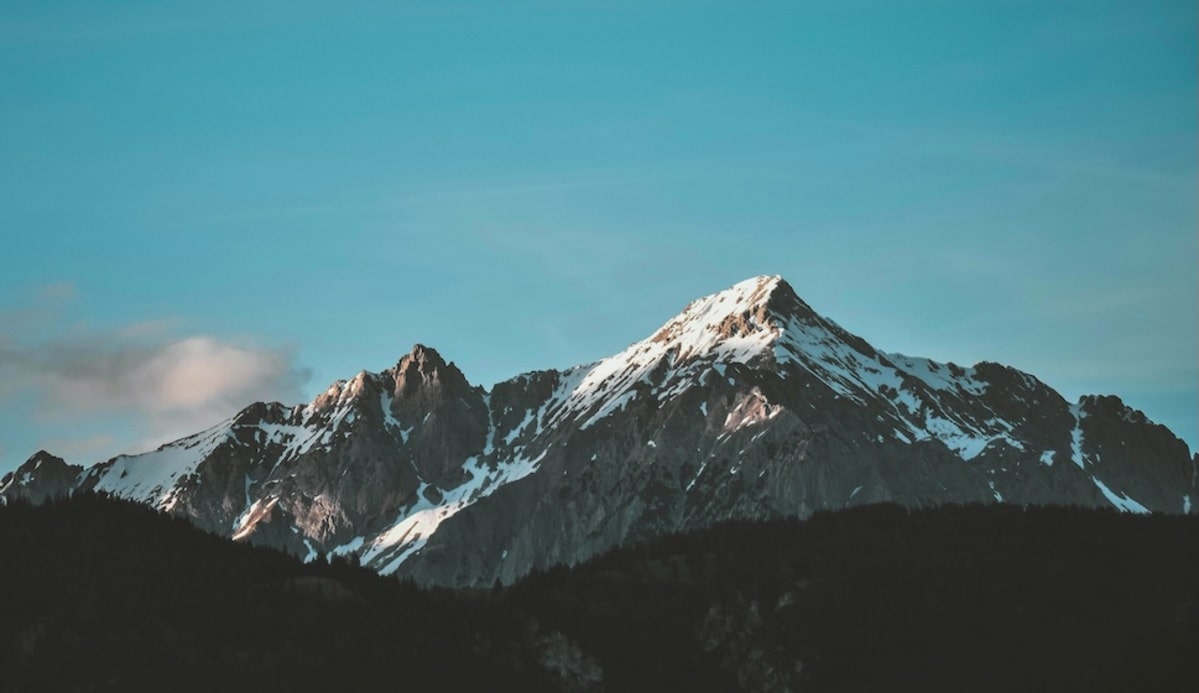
108	595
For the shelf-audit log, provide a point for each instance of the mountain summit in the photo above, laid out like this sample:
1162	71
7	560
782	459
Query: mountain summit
748	404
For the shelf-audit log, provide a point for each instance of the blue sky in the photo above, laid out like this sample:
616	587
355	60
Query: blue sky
202	204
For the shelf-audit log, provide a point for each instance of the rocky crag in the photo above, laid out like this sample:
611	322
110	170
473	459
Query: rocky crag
746	405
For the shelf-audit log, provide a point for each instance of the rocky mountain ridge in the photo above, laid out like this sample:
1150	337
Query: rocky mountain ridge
747	405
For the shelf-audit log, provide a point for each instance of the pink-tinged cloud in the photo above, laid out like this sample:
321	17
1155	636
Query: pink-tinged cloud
152	384
190	374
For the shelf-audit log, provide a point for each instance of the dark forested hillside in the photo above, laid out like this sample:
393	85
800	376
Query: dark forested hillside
109	595
100	594
964	598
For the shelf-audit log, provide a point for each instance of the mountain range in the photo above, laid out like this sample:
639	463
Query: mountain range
747	405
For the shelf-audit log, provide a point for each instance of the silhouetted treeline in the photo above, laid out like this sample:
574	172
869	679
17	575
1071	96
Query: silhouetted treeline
100	594
957	598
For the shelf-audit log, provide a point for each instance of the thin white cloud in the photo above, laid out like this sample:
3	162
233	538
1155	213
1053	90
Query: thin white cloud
188	374
159	384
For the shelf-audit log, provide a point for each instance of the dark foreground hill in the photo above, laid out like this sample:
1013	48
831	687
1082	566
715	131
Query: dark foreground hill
102	594
99	594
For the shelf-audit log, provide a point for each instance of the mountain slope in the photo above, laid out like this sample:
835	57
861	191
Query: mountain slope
746	405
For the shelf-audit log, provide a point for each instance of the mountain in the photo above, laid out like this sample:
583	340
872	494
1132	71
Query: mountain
41	478
747	405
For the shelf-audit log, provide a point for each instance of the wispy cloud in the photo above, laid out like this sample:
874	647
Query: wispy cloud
163	383
102	372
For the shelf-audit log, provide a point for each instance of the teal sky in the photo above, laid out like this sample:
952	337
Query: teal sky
203	204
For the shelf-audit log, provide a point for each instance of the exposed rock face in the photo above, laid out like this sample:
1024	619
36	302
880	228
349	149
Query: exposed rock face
39	479
747	405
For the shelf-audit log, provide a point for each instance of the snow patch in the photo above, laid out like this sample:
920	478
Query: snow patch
1121	501
516	430
702	466
151	477
390	422
674	358
750	410
946	377
967	444
244	524
1076	436
417	523
350	547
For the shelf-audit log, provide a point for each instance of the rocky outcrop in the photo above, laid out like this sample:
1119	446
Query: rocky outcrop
748	404
42	477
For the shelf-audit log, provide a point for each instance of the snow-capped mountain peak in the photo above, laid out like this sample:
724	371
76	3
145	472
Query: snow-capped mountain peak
738	313
746	404
738	325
